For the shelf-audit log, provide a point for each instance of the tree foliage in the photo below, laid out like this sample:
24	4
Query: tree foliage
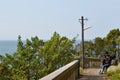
110	43
36	58
111	38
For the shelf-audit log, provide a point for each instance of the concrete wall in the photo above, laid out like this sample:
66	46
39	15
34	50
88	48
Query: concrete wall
67	72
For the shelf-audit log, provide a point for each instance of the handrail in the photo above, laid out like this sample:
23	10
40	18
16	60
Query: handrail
67	72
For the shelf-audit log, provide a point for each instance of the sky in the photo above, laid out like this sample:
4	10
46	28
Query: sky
42	18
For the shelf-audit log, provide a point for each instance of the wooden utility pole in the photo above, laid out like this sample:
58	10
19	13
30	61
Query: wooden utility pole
82	24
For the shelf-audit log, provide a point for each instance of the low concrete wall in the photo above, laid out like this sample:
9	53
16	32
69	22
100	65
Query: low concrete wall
92	63
67	72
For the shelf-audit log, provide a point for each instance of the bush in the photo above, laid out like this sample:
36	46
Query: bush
81	70
114	75
112	68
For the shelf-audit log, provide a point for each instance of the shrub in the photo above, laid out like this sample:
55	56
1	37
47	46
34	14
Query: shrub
112	68
114	74
81	70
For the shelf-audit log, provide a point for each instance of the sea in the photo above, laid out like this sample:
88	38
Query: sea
10	46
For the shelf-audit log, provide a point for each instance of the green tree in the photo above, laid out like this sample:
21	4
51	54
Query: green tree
89	48
56	52
110	39
35	58
4	70
98	45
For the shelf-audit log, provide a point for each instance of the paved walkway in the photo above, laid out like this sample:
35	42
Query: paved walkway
92	74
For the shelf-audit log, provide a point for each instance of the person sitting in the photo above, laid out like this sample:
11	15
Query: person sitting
106	62
113	59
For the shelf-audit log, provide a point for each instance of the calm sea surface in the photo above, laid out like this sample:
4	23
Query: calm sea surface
8	46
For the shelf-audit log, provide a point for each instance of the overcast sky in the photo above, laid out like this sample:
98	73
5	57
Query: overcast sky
43	17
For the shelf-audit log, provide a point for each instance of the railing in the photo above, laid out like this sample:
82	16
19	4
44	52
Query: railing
67	72
92	63
71	70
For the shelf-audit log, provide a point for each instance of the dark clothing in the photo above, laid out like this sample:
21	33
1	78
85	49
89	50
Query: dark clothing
112	59
106	62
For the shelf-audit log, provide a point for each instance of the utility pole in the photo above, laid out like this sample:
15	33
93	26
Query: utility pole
82	24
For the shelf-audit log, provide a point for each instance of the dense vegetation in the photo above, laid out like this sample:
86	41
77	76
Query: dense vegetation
36	58
97	47
110	43
114	73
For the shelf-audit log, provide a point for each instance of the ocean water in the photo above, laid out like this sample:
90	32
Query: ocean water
10	46
7	46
